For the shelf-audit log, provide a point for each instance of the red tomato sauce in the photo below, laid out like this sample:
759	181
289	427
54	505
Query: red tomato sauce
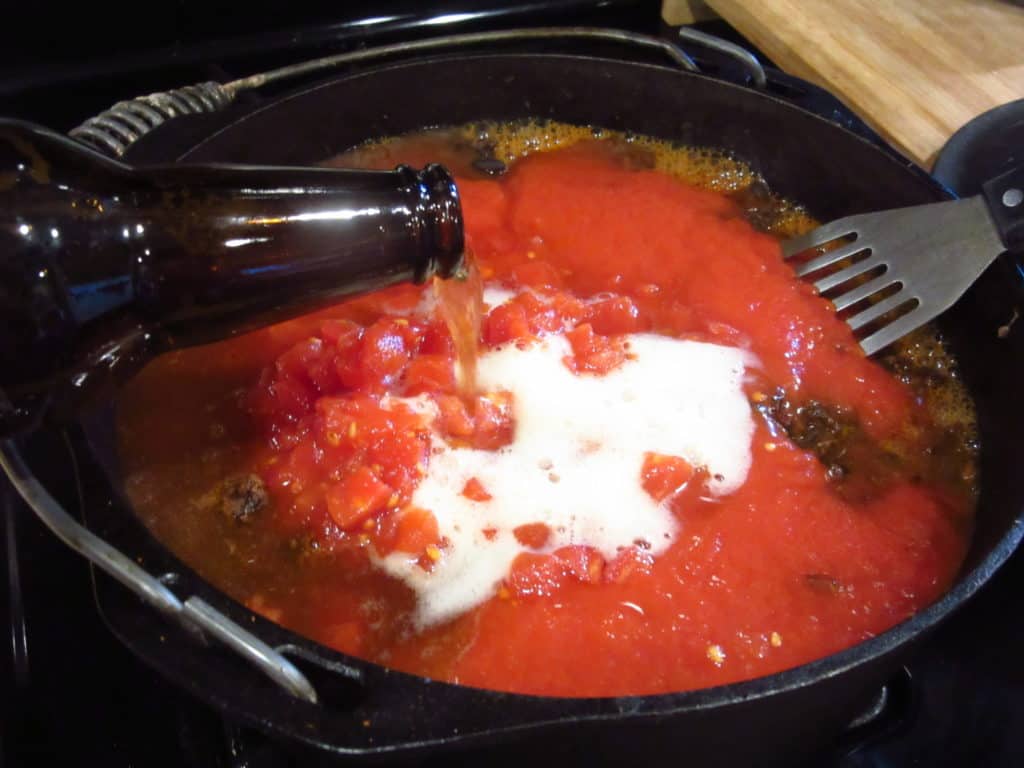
783	571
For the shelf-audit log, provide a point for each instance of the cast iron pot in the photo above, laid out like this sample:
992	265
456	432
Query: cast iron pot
371	713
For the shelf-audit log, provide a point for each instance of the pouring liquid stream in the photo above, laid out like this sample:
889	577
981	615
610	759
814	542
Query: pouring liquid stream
460	302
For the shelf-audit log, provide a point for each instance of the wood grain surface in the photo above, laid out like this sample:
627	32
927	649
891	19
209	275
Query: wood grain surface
916	70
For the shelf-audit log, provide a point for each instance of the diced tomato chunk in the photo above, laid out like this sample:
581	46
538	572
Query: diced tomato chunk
542	315
663	476
296	470
533	535
455	420
613	315
630	563
338	422
341	334
585	564
506	323
533	574
593	353
493	416
384	353
356	497
280	400
295	362
437	340
416	530
429	373
568	308
475	491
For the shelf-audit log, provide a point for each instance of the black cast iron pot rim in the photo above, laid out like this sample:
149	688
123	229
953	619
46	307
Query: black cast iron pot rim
640	705
422	60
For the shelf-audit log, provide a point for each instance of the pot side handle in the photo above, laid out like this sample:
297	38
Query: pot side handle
114	131
200	619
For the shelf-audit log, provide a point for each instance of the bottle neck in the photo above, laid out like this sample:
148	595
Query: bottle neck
223	250
103	266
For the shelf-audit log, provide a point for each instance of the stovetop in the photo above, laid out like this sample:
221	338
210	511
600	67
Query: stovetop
73	695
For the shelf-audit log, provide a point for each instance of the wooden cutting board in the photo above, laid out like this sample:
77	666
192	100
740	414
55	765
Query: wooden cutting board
915	70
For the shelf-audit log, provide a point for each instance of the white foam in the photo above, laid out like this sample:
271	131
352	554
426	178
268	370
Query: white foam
495	296
575	463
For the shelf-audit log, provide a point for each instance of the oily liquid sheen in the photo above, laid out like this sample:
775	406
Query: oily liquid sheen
777	572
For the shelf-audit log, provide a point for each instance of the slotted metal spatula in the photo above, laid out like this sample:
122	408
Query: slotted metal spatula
911	264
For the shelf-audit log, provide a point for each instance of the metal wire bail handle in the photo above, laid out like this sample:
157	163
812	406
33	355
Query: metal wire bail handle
119	127
743	57
194	614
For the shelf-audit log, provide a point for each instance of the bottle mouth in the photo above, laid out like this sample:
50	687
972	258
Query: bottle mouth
440	214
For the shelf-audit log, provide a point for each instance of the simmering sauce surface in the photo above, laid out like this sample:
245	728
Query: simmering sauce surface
291	466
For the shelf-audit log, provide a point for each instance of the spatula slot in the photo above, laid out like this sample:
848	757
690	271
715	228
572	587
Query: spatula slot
854	267
883	312
862	291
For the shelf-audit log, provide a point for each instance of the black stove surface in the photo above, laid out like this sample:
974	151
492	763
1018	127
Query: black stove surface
73	695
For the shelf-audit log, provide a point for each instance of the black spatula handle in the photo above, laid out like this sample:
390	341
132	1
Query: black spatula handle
1005	197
